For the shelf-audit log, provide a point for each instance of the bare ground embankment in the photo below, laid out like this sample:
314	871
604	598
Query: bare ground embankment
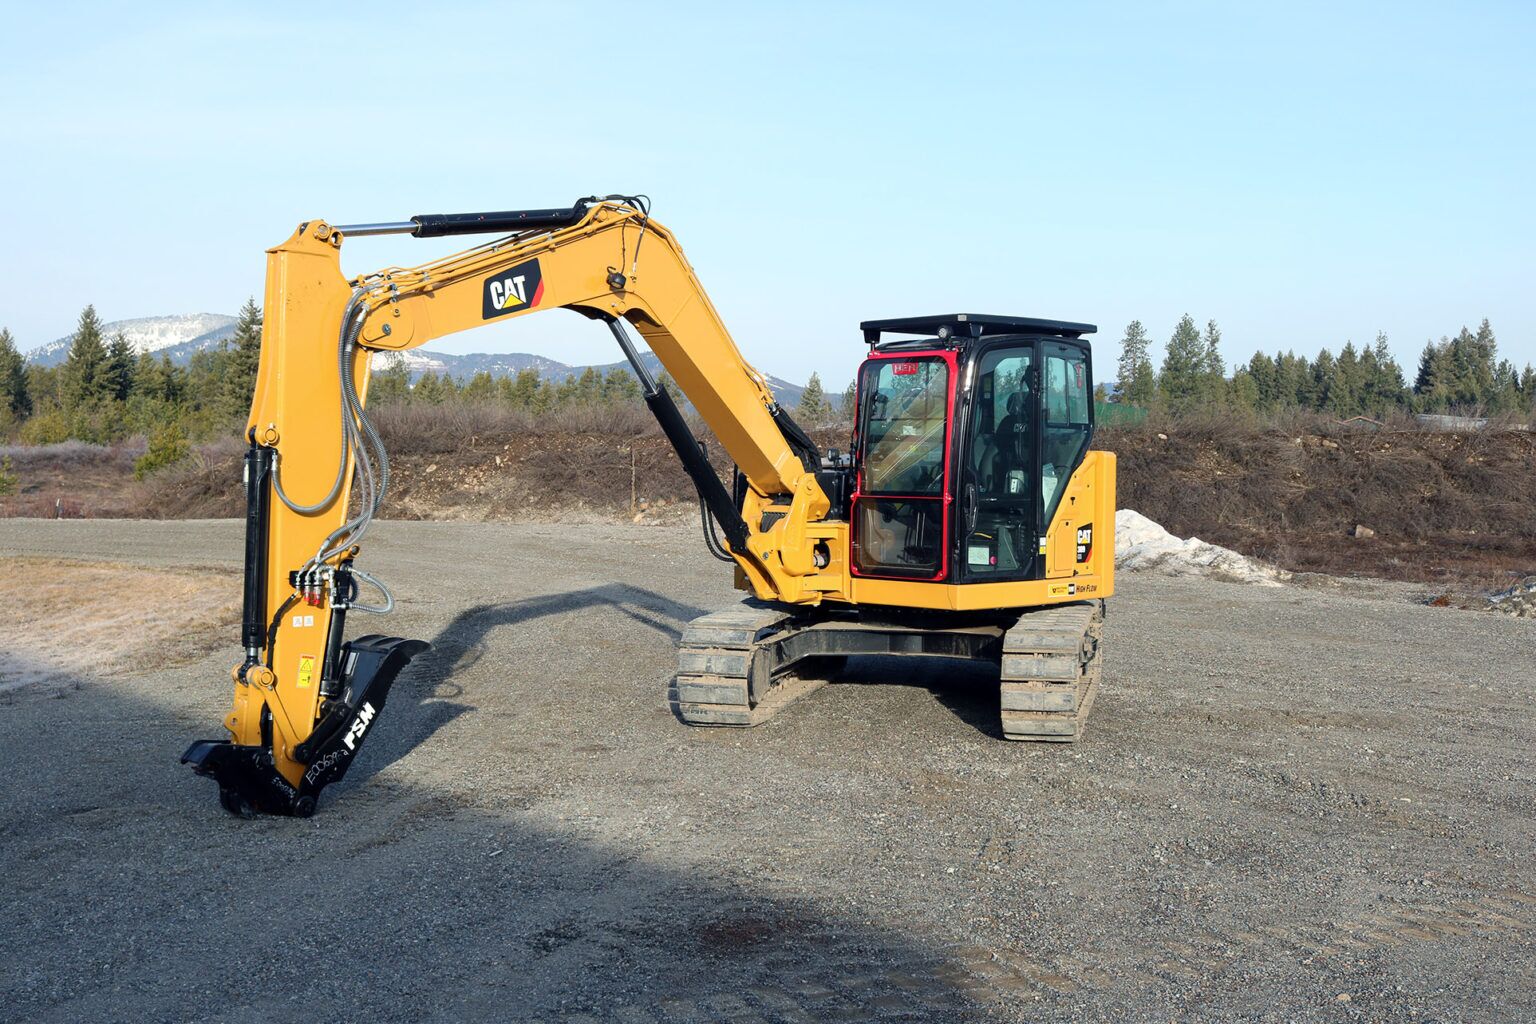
1452	509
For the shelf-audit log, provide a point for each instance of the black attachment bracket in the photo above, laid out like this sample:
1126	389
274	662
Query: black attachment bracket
249	782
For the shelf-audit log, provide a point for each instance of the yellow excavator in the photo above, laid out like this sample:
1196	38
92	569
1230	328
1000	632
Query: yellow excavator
969	518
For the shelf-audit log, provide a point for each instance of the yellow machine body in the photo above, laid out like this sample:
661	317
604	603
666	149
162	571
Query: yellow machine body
611	263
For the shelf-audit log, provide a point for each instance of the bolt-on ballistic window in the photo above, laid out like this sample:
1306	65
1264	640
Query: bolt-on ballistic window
903	432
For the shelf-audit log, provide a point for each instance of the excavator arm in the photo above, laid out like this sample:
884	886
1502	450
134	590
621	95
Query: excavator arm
317	471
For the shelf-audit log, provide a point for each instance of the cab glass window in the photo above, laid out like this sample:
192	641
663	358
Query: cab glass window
1068	423
998	499
905	410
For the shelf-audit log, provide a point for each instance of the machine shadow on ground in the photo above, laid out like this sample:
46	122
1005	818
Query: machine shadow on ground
422	701
132	896
968	689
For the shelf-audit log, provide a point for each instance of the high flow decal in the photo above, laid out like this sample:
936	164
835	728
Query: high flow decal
1084	542
512	290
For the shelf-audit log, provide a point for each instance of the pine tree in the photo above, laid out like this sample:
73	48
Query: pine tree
481	388
429	389
85	370
148	385
118	371
15	395
238	382
813	402
1433	387
1528	388
1350	382
1181	380
620	387
174	380
1261	370
1243	392
848	406
589	387
1294	381
1137	383
547	397
1214	367
1486	351
524	390
391	385
1506	388
1326	392
1382	386
1471	376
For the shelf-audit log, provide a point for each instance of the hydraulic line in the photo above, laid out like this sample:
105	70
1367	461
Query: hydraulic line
341	469
711	539
389	599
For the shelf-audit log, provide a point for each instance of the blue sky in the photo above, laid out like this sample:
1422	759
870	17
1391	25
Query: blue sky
1302	173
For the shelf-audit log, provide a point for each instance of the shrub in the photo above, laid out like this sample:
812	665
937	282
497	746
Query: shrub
49	427
8	478
168	445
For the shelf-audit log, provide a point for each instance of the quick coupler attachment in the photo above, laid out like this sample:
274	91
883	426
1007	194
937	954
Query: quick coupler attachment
249	782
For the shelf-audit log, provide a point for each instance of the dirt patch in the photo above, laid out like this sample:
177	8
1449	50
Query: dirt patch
67	619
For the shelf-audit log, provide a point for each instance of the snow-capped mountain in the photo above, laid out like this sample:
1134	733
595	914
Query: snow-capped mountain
185	334
498	364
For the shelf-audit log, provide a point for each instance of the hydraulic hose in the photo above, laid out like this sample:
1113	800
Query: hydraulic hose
362	446
341	469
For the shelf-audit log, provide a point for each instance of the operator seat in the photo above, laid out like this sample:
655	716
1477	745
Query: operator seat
1012	443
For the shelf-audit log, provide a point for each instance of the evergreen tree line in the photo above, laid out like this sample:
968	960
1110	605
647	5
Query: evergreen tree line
528	391
1461	374
104	391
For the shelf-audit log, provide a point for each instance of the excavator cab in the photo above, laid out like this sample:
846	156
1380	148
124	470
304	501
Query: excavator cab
966	437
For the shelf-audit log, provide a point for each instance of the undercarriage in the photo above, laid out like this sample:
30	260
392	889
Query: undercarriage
744	664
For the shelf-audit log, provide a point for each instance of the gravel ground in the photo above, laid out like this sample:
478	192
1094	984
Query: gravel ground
1294	803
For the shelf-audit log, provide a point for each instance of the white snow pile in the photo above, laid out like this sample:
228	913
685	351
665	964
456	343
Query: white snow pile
1141	544
1519	601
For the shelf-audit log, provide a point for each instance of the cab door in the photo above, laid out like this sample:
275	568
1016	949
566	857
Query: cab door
1000	496
901	507
1066	409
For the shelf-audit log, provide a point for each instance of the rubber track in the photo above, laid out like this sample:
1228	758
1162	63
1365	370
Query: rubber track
714	664
1052	660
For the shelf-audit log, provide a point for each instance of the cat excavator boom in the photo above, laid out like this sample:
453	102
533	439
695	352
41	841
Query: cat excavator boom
959	524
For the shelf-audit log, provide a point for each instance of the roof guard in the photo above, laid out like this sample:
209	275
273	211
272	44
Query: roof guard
971	325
